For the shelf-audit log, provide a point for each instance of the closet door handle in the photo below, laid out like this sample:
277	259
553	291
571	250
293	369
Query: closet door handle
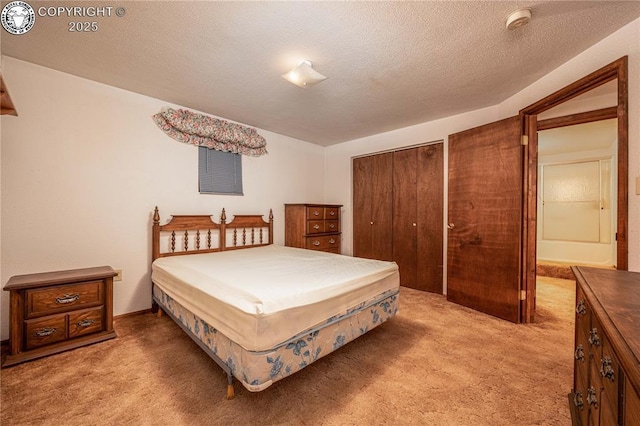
451	225
414	224
372	223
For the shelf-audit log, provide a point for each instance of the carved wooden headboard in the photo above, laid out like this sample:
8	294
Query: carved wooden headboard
194	234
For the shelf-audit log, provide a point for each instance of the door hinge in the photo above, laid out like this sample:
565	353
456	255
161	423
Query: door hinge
523	294
524	140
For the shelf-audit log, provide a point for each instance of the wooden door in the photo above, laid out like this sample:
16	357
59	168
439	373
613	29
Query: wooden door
405	209
485	218
430	196
372	206
417	216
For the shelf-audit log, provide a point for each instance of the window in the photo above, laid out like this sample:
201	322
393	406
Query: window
219	172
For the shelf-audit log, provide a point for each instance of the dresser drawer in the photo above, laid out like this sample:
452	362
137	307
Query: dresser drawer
332	213
315	213
315	227
631	404
583	312
593	399
320	212
609	373
580	397
322	226
324	243
581	354
596	338
86	321
44	331
50	300
332	226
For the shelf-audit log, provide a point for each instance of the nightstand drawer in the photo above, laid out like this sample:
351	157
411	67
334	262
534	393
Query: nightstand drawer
50	300
324	243
85	322
46	330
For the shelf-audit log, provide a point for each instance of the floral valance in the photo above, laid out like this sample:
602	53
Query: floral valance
197	129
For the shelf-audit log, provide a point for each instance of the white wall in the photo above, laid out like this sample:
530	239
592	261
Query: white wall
83	166
625	41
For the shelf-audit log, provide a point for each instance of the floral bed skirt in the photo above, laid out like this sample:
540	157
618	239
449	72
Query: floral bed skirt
258	370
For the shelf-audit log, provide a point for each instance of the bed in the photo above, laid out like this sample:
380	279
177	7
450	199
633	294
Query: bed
261	311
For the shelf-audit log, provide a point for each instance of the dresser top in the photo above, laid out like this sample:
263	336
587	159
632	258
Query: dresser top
18	282
618	295
313	204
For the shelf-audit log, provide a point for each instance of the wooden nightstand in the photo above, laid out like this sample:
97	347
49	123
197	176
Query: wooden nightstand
313	226
53	312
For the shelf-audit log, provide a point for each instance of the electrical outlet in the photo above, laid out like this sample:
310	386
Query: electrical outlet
119	276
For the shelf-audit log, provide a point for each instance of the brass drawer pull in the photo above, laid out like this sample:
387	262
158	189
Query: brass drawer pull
44	332
316	226
606	370
67	298
332	241
577	400
581	309
316	243
579	353
316	213
332	225
332	213
591	397
85	322
593	337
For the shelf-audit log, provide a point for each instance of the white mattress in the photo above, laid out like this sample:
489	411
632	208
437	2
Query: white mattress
261	297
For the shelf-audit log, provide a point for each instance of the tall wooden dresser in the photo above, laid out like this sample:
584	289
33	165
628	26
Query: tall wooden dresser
52	312
313	226
606	384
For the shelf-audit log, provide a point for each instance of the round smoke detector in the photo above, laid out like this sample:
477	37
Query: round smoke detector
518	18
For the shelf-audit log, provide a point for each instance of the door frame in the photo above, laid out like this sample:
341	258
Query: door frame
615	70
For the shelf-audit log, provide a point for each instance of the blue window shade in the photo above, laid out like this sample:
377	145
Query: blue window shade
219	172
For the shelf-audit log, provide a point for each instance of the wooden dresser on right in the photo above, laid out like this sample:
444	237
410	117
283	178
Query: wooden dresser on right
606	378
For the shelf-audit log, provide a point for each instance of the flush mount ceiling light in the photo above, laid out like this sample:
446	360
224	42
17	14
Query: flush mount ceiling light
518	18
304	75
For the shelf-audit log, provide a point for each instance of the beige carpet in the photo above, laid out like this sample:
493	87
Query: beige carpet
435	364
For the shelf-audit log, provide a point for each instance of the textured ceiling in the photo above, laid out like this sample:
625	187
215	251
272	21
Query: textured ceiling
390	64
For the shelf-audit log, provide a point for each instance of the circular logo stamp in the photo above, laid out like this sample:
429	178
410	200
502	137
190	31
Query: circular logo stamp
17	17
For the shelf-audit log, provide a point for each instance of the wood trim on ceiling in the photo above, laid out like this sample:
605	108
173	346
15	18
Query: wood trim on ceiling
579	118
597	78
